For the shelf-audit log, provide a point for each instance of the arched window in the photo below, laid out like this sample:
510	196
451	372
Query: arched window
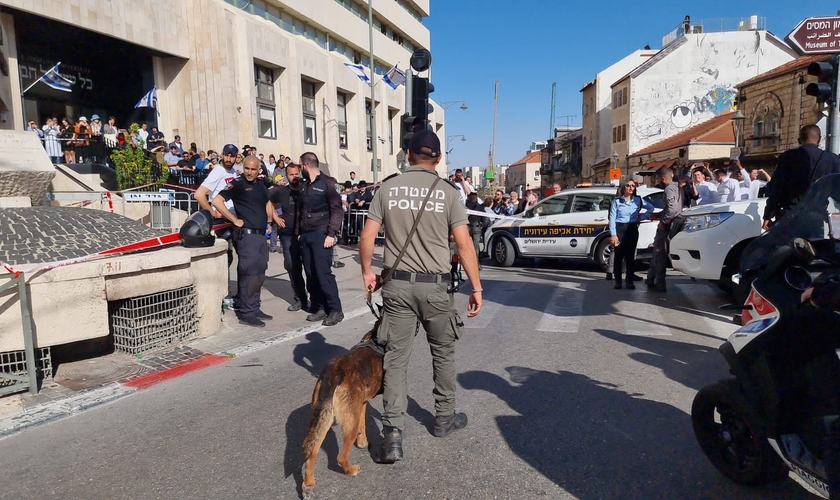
766	122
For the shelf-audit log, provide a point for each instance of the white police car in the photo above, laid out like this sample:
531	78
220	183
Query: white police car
571	224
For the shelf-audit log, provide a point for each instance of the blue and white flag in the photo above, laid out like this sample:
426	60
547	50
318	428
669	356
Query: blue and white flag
149	100
54	79
394	77
359	70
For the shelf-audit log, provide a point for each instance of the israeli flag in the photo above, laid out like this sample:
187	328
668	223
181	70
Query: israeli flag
394	77
149	100
54	79
359	70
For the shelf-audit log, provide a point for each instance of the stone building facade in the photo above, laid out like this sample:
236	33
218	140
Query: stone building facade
269	73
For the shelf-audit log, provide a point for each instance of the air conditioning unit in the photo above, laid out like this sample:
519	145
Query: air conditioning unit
697	29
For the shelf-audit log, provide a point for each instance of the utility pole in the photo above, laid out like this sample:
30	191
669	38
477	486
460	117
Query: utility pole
553	103
374	138
492	155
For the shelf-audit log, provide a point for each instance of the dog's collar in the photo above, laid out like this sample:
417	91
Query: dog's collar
371	344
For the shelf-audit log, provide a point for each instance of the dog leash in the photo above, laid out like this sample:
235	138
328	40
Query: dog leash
369	300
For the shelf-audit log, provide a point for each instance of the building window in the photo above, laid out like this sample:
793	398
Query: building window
623	97
310	132
624	132
342	120
614	134
264	82
268	123
391	117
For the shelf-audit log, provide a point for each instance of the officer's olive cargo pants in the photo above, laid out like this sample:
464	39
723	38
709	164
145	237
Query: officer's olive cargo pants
404	305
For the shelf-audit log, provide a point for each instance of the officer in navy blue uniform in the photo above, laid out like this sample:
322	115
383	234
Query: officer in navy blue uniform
319	222
253	211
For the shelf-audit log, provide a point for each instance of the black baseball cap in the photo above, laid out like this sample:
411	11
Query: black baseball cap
426	143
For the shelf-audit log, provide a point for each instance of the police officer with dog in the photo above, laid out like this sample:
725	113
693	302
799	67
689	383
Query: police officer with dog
419	212
319	222
253	211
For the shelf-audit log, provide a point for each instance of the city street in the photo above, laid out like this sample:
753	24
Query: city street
573	390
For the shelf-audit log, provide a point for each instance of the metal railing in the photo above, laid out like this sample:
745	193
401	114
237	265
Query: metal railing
30	380
716	25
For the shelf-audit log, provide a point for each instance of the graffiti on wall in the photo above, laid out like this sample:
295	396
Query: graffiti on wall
687	113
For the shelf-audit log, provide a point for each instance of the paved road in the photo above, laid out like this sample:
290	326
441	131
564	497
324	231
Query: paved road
574	390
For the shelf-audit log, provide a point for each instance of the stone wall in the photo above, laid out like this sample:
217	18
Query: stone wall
33	185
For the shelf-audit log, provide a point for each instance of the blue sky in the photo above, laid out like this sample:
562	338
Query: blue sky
528	44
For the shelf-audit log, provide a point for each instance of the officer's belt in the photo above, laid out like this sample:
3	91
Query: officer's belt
419	277
245	230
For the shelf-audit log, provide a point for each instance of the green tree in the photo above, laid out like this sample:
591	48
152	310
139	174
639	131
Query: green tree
134	167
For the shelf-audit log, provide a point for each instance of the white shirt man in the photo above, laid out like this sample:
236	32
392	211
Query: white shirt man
220	177
755	183
706	190
728	188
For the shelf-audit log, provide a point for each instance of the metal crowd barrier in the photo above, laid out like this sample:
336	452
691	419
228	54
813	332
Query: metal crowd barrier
168	206
352	225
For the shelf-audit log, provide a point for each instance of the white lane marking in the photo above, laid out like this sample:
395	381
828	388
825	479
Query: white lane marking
562	314
643	320
704	298
490	308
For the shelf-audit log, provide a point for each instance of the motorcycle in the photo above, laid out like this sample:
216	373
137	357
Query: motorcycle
776	414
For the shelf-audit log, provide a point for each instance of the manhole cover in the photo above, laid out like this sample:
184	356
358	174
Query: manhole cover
98	371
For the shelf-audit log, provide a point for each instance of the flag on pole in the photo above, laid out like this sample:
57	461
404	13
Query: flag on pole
394	77
359	70
149	100
54	79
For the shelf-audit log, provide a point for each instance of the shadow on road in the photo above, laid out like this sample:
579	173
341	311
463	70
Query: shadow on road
596	441
315	354
691	365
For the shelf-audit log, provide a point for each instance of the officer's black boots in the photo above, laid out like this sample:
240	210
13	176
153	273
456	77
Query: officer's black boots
333	318
251	321
297	306
391	450
262	315
445	424
318	315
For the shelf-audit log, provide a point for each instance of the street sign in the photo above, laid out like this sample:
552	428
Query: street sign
816	35
615	174
149	196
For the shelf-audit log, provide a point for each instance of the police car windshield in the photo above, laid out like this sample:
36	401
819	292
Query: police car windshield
809	220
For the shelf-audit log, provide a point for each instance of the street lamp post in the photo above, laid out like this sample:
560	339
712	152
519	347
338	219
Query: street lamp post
739	120
448	150
372	95
448	104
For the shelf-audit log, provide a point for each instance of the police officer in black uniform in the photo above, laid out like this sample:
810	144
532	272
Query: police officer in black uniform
286	197
253	211
319	222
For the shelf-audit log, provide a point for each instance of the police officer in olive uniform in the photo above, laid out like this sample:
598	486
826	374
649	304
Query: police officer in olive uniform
253	211
319	222
416	290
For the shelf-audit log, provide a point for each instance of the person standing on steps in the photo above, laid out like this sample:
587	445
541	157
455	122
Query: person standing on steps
625	215
319	216
419	211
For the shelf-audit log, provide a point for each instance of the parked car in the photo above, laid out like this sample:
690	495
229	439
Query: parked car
571	224
707	241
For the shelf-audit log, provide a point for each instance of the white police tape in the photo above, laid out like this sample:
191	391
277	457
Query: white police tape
494	216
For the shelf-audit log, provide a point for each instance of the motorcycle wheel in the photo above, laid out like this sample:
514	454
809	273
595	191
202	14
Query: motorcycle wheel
731	436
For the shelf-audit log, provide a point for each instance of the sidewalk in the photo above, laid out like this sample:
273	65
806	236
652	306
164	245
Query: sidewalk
90	382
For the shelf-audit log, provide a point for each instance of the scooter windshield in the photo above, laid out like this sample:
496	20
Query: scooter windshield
815	217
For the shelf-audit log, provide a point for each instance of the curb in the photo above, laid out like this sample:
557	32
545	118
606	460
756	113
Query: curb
92	398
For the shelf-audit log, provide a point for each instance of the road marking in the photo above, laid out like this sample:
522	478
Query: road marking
489	309
643	320
704	299
562	314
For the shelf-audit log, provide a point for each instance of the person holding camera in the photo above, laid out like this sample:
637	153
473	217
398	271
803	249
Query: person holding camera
463	185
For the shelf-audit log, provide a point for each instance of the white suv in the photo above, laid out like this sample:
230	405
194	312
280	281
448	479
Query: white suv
571	224
707	241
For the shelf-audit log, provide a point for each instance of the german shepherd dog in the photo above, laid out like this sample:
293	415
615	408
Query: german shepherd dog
341	395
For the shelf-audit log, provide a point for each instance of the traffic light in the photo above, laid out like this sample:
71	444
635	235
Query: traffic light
408	127
825	86
420	105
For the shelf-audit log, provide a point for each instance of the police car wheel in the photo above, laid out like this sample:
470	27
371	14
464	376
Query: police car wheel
503	252
602	254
